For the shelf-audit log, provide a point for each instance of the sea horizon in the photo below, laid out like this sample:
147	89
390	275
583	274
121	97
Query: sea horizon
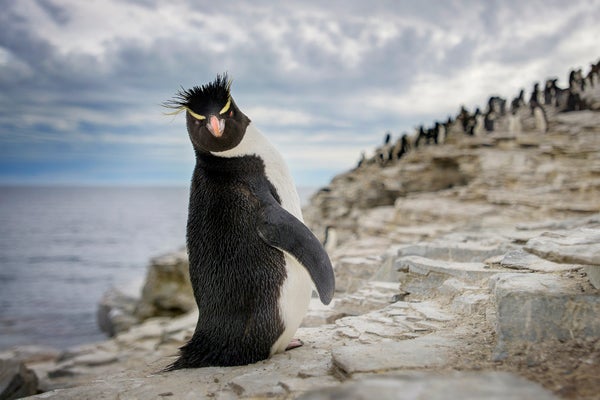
63	246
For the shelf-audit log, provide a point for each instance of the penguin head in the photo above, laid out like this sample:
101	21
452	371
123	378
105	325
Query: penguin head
214	122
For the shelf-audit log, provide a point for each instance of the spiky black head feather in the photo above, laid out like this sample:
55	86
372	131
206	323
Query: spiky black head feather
203	100
214	122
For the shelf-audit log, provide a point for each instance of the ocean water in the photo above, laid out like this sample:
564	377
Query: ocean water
61	248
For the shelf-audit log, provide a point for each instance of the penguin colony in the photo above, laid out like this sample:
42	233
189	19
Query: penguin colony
480	123
253	262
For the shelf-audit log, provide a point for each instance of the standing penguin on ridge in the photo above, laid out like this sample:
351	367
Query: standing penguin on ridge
253	262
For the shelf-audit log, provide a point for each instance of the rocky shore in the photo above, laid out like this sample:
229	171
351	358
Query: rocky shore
464	270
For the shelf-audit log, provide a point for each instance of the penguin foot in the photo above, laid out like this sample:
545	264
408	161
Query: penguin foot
294	343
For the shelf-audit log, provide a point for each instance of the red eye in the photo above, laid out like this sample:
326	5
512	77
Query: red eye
231	113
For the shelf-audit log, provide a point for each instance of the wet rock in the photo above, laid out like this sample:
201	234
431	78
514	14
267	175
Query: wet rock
16	380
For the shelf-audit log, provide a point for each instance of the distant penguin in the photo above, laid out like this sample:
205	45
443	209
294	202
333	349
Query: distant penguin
541	123
362	159
489	120
534	99
479	126
514	122
441	138
331	239
253	262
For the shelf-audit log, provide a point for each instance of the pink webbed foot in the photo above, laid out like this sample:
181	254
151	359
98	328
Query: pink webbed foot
294	343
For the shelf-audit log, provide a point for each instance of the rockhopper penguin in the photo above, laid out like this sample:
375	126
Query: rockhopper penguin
253	262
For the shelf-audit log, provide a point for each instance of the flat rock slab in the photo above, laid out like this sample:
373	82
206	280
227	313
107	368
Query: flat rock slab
580	246
519	259
432	386
469	271
454	251
426	351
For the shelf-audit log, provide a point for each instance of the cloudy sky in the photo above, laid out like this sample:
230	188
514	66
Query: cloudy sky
81	82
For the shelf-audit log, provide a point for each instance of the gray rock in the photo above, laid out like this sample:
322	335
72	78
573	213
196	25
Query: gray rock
115	312
454	251
468	271
431	311
353	272
434	386
373	295
593	274
31	354
580	246
470	303
520	259
536	307
423	352
16	380
167	290
95	359
423	277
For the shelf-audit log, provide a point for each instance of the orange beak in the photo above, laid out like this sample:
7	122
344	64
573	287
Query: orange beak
216	126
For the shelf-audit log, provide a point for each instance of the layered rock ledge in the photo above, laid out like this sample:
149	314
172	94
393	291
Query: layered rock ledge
486	286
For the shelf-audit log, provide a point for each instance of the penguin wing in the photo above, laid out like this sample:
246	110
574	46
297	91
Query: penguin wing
280	229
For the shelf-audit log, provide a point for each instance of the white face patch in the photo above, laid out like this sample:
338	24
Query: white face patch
255	143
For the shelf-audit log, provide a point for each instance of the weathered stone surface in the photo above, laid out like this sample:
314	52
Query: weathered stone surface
580	246
116	311
535	307
593	274
353	272
468	271
424	277
470	303
31	353
433	208
520	259
16	380
167	290
426	351
433	386
373	295
452	250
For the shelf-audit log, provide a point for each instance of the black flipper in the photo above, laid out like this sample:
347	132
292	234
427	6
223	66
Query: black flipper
280	229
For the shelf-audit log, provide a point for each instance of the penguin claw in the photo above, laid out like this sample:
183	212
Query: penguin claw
294	343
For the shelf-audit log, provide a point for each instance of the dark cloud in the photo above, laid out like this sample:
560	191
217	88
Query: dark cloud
59	14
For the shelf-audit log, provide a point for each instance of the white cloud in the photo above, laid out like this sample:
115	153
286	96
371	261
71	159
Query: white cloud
323	81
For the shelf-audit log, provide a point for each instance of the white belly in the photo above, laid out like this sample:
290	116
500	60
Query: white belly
293	301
